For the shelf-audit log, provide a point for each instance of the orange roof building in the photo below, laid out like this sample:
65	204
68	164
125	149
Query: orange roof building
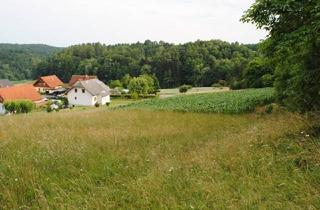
20	92
48	83
76	78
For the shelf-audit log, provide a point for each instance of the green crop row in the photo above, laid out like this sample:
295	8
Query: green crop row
232	102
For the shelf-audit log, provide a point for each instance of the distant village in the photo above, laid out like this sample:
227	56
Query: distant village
82	90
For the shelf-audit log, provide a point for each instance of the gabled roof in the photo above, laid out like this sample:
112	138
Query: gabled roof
5	83
20	92
93	86
51	81
76	78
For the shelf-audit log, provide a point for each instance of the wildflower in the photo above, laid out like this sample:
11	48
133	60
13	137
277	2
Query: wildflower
171	169
307	135
16	179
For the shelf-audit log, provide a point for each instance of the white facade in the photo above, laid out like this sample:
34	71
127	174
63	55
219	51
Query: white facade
2	109
81	97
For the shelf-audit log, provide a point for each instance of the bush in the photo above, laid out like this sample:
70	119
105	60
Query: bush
97	104
236	85
134	96
269	109
18	107
115	84
64	102
217	85
184	88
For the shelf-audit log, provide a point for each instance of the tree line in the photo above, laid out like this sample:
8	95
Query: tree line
200	63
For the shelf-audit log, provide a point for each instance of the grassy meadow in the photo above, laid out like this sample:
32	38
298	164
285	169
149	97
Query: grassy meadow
136	159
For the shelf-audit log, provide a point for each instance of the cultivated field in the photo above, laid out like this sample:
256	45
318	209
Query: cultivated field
232	102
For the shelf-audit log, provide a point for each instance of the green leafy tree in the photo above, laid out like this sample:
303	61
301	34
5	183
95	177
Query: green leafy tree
126	80
293	47
115	84
139	85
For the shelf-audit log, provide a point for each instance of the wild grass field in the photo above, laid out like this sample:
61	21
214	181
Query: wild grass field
131	159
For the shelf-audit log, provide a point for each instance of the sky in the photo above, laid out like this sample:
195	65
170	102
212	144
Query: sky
66	22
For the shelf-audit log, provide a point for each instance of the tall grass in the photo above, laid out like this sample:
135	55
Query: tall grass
124	159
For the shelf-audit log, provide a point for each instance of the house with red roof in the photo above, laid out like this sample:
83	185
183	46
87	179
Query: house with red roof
48	84
76	78
19	92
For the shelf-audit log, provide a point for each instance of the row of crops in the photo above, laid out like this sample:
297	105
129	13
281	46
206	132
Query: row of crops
232	102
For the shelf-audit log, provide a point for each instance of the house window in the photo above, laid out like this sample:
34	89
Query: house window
75	98
83	90
76	90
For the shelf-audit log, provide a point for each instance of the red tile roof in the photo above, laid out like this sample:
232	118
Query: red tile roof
76	78
48	82
20	92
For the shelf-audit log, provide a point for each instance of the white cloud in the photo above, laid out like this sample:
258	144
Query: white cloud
66	22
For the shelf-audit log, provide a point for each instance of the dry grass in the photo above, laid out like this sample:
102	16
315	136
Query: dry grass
98	159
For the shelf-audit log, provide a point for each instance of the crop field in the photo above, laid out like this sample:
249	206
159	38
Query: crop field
231	102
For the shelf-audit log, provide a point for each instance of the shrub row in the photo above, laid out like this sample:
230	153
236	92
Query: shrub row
17	107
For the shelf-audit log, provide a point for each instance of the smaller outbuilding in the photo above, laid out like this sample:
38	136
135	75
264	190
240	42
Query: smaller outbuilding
48	84
5	83
89	93
19	92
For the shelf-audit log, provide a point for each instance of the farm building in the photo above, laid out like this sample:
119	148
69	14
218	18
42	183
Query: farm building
48	84
20	92
76	78
5	83
89	93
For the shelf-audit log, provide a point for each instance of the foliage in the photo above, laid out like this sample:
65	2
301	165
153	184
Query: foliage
138	85
115	84
184	88
199	63
126	80
18	62
143	85
232	102
17	107
258	74
293	47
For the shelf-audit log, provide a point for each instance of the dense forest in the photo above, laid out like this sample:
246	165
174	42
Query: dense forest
200	63
18	62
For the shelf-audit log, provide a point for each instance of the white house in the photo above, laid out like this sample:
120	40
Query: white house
89	93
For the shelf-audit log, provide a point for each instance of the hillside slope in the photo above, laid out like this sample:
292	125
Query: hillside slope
98	159
18	62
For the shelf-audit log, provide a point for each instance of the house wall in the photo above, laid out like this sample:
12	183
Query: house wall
79	98
105	100
2	109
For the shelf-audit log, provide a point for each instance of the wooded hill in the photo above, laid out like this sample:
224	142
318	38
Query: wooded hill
200	63
18	62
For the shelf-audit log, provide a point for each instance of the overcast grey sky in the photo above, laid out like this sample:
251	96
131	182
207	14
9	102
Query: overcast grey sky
67	22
